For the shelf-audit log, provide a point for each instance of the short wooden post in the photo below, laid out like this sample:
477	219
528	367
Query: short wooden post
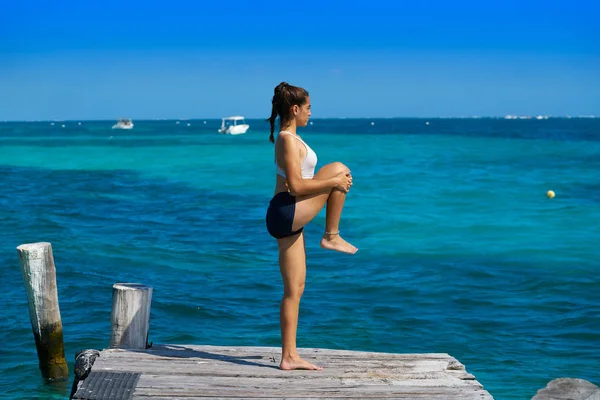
130	316
39	274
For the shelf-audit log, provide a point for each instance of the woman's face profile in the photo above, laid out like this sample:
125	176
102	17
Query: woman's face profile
303	114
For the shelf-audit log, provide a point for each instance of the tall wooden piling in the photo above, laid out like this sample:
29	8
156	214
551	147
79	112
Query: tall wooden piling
130	316
39	275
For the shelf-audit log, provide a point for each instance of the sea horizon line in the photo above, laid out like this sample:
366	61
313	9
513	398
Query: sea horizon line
507	117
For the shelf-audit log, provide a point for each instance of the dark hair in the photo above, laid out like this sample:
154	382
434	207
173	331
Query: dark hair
284	98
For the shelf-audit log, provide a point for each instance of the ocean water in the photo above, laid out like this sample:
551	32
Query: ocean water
460	250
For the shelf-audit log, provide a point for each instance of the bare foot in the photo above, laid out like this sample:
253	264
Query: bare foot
297	363
335	242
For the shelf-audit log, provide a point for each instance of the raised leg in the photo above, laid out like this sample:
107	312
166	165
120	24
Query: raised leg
331	238
308	207
292	264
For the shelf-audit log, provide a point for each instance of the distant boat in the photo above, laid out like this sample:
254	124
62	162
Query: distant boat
233	125
123	123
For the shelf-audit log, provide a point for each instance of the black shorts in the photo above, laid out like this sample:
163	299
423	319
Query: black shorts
280	215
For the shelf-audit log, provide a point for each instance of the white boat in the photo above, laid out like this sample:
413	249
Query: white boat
233	125
123	123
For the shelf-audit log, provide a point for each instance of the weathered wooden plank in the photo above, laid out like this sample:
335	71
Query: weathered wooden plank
426	396
267	397
202	372
184	350
266	364
287	395
202	368
427	393
258	359
354	391
337	383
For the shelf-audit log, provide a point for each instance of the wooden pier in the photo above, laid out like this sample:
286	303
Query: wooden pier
214	372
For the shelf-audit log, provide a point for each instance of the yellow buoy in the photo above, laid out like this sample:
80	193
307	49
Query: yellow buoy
550	194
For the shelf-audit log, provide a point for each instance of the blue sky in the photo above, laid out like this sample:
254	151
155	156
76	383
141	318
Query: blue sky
199	59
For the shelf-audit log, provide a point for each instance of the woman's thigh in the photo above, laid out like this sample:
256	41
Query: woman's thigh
292	264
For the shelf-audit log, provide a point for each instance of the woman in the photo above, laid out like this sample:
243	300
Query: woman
299	196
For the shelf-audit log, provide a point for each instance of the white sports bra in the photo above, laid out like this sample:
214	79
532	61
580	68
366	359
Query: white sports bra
308	164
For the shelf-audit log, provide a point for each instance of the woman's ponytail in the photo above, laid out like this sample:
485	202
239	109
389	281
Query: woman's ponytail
271	120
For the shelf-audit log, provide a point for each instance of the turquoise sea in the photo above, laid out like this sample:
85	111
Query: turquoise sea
460	250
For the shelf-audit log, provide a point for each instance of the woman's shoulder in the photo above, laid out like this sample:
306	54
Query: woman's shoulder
285	138
287	143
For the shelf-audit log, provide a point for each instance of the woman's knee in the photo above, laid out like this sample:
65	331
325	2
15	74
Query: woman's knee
339	167
294	291
333	169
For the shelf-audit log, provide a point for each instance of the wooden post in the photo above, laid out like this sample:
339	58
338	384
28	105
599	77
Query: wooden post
39	274
130	316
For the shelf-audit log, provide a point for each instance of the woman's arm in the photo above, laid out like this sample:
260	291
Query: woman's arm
289	157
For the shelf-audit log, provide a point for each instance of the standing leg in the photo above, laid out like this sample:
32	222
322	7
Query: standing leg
292	264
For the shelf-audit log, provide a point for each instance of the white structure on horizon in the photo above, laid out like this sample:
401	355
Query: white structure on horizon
123	123
233	125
